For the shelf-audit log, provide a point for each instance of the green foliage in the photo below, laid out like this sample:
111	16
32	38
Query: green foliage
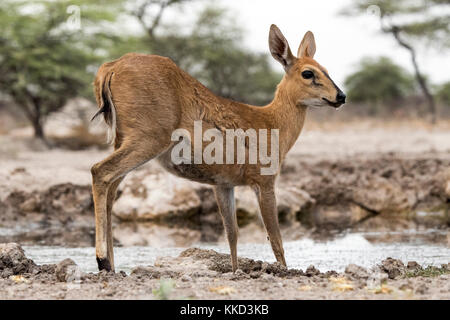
426	20
428	272
45	57
213	53
44	60
165	288
378	81
443	93
412	22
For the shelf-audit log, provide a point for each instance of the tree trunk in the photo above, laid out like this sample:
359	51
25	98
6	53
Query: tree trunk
37	127
33	112
419	77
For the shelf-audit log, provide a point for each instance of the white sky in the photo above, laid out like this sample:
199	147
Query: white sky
341	41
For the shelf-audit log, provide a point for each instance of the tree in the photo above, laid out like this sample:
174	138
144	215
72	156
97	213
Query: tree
411	21
212	52
150	12
46	49
378	82
443	93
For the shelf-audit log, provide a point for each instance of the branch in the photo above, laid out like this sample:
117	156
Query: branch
395	31
142	10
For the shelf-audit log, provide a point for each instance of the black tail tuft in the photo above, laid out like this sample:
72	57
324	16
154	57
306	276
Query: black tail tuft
99	112
105	101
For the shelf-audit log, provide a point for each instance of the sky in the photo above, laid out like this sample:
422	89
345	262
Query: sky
341	41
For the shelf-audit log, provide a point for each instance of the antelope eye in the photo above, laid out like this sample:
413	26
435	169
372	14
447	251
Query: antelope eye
307	74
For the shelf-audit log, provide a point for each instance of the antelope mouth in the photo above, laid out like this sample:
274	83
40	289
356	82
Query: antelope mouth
333	104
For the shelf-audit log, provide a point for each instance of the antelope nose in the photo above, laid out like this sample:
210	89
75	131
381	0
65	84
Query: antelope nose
340	98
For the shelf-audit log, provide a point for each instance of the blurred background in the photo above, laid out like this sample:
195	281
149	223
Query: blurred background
379	164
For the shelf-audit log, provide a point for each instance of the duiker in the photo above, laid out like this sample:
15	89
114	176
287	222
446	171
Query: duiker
144	98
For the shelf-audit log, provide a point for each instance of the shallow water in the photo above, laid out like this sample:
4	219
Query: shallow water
324	255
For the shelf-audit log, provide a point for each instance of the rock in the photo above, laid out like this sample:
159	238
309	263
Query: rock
30	205
247	207
156	196
68	200
312	271
290	200
337	216
393	267
376	278
357	272
68	271
147	233
381	195
186	278
13	260
422	289
447	189
267	277
149	272
61	201
413	265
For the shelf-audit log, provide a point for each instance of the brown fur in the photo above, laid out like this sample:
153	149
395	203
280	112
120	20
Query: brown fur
152	97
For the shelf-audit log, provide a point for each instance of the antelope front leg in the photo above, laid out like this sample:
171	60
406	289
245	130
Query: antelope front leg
226	203
269	213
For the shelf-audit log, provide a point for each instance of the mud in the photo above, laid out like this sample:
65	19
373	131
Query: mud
387	192
205	274
351	192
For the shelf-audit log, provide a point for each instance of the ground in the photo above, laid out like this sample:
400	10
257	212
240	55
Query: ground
205	274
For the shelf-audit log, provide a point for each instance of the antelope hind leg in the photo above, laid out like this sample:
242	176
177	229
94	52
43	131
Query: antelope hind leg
104	174
226	202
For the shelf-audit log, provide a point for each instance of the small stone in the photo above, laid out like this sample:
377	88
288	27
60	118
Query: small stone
30	205
312	271
239	272
13	260
267	277
68	271
356	271
422	289
186	278
413	265
393	267
264	267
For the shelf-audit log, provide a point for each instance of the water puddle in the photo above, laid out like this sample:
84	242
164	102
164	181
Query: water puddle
328	255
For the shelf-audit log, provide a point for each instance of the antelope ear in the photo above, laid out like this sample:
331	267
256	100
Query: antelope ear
279	48
308	46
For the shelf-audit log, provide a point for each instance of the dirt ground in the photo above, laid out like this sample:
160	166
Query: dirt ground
205	274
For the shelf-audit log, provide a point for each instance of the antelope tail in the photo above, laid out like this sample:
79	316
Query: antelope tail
104	101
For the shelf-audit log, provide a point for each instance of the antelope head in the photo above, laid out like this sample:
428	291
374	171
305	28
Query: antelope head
306	82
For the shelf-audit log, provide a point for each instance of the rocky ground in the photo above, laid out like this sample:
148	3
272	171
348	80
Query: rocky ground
205	274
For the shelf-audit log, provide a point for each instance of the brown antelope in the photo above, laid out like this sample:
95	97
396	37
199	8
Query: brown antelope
144	98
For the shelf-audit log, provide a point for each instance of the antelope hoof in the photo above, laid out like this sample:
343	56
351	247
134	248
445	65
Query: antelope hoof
103	264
